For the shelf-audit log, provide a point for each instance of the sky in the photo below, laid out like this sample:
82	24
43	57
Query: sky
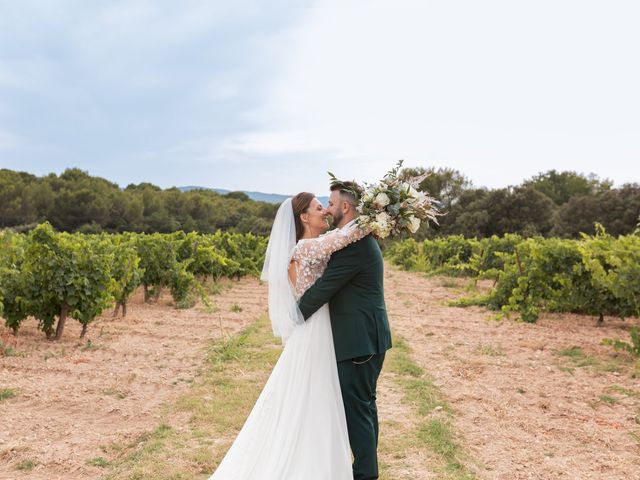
269	96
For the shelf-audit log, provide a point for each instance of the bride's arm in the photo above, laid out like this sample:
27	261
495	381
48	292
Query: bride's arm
293	274
343	266
323	247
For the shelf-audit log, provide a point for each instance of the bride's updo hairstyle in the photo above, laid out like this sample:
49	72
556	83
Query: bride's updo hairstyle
300	204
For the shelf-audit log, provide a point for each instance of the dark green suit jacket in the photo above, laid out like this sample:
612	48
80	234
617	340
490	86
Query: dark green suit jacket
352	283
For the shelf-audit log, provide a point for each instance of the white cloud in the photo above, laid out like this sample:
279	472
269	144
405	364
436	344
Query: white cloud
255	96
498	90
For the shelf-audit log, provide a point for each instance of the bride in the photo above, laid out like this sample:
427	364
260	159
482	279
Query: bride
297	429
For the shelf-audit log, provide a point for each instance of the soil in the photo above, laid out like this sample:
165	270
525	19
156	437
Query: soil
522	409
75	396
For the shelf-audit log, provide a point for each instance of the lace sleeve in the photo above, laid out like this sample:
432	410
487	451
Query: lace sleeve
321	248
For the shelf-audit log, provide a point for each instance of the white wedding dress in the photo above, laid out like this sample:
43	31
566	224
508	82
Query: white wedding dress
297	429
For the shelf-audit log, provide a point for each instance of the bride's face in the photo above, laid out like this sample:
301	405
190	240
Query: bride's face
315	219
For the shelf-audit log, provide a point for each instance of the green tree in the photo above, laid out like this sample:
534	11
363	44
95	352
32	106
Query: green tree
15	202
74	208
443	184
578	215
77	201
125	212
481	213
238	196
616	209
562	186
619	209
468	216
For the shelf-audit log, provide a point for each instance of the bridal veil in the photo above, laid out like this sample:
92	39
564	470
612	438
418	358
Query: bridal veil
283	308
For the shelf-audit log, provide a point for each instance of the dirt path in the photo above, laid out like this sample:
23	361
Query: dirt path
522	410
525	411
72	398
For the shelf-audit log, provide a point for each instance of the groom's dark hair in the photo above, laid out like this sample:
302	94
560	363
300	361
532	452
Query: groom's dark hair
349	191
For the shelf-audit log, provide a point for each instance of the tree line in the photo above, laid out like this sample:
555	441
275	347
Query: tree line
75	201
551	204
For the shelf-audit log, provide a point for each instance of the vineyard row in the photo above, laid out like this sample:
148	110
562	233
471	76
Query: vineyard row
595	275
53	276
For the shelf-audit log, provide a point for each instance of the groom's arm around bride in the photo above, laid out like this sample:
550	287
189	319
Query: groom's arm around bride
352	284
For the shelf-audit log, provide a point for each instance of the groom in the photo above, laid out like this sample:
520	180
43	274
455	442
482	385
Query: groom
352	283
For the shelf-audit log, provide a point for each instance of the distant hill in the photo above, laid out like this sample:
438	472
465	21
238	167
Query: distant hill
258	196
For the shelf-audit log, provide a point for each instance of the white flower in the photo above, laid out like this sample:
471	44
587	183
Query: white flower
413	194
381	230
382	199
414	224
421	197
383	219
381	225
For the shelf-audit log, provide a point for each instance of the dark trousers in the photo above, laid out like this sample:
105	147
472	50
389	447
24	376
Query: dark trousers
358	380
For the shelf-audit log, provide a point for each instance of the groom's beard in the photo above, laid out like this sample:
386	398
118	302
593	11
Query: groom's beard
336	219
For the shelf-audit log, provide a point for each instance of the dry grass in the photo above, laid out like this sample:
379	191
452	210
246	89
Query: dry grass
197	429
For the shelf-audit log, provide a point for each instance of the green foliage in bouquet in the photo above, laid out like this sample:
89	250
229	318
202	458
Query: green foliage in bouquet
352	188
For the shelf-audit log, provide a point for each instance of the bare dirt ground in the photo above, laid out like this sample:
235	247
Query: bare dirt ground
73	397
522	408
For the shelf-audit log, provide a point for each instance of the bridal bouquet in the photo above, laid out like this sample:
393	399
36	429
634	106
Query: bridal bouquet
394	206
